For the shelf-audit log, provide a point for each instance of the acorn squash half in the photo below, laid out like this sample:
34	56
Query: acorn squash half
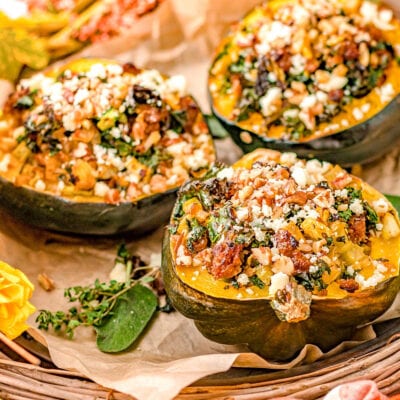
320	79
97	147
276	252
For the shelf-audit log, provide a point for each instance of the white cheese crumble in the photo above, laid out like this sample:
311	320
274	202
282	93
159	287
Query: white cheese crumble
101	189
334	82
40	185
386	92
357	114
268	102
365	107
4	163
81	150
269	33
357	207
377	276
300	176
381	206
226	173
243	279
298	64
278	282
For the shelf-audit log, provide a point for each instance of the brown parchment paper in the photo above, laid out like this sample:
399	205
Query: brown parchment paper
178	38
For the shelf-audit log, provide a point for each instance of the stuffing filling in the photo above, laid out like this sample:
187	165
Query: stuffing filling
303	68
111	133
283	228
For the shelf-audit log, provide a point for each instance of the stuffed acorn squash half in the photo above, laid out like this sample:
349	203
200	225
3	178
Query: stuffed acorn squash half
277	252
96	147
319	78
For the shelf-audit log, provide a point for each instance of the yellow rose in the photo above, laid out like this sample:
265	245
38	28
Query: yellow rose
15	291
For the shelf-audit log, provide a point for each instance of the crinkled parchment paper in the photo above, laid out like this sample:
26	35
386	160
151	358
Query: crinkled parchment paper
178	38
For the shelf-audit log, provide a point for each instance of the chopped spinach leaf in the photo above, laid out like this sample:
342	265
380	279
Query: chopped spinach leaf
256	281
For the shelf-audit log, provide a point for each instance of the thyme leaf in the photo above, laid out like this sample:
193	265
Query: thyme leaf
118	311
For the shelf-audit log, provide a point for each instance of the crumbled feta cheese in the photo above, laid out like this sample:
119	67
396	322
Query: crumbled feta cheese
242	279
357	207
298	64
307	118
342	193
308	102
184	260
291	114
176	84
4	163
381	206
197	160
266	210
269	33
365	107
40	185
369	11
81	95
313	269
97	71
101	189
242	213
275	224
278	282
60	186
226	173
268	101
272	77
69	123
300	176
81	150
357	114
300	15
386	92
288	158
321	96
375	278
151	79
334	82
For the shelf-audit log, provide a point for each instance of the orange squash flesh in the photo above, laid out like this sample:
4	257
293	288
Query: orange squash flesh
230	314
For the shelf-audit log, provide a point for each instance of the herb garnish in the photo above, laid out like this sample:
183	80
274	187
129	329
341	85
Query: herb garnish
118	311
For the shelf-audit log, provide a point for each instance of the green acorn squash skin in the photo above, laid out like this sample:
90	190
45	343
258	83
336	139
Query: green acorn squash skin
87	218
253	322
359	144
82	215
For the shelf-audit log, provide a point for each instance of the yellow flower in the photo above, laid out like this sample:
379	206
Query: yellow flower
15	291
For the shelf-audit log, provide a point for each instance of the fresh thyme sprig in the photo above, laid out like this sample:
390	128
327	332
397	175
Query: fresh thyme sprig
104	304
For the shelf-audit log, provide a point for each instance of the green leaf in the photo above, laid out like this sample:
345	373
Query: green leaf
395	200
130	316
19	48
216	129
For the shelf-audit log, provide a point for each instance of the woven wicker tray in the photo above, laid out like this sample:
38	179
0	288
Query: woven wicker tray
378	359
